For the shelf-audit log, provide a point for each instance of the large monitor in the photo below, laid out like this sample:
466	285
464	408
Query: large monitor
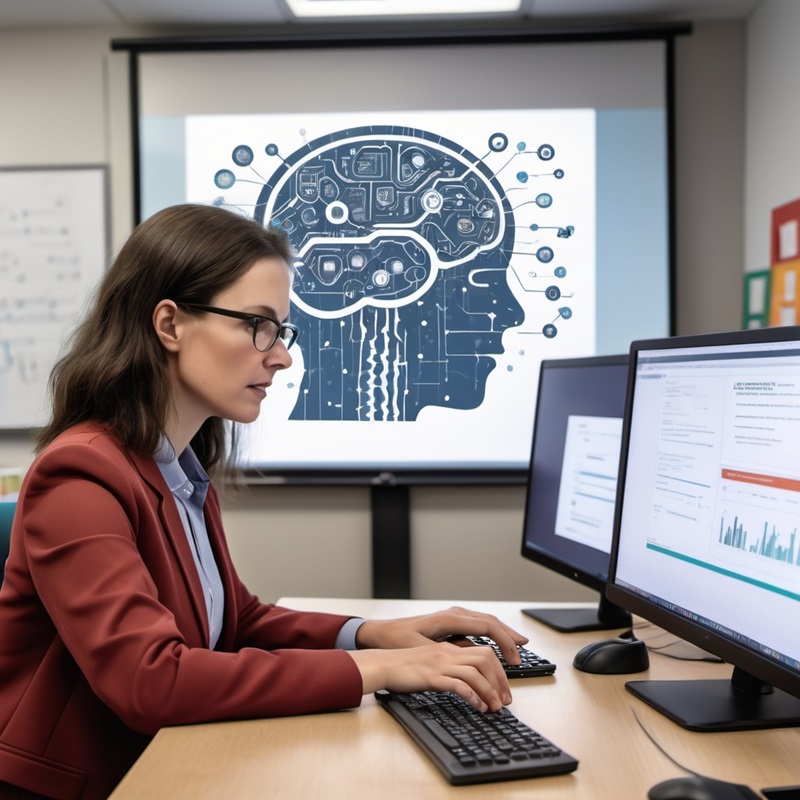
705	533
572	480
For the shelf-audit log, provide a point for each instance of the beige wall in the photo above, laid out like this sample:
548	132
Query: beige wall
64	101
709	144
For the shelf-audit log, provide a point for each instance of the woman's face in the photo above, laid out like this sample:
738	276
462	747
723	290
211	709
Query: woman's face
218	371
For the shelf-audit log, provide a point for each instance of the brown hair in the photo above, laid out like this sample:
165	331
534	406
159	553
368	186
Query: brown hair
115	371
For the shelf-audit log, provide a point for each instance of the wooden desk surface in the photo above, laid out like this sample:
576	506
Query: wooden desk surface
365	753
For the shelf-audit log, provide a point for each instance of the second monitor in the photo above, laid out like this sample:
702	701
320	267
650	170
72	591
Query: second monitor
569	510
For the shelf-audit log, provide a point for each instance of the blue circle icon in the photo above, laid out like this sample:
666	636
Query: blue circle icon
224	179
498	142
242	155
545	254
546	152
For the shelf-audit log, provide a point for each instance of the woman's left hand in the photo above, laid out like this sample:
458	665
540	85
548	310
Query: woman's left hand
422	630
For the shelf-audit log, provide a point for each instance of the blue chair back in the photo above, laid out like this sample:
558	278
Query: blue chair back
6	516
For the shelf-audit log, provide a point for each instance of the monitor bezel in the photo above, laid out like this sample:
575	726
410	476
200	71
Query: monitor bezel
739	656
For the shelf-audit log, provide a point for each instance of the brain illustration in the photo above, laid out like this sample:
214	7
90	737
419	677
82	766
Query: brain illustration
403	240
375	215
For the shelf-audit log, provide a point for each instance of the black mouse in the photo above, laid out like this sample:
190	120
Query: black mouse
700	788
613	657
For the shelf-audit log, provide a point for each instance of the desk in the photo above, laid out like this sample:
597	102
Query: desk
365	753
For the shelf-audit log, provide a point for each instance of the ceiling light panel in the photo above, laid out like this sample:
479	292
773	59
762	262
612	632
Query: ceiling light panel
336	9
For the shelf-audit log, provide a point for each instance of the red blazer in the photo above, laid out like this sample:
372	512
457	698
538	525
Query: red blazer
104	634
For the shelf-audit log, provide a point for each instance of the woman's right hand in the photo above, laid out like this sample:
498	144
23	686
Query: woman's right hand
473	673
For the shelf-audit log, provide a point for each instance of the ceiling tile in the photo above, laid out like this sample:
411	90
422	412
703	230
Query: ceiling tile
200	12
15	14
47	14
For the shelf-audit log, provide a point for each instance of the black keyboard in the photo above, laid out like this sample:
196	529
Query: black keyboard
470	747
532	666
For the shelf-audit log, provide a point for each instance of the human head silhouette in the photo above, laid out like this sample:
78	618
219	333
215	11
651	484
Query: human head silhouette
403	240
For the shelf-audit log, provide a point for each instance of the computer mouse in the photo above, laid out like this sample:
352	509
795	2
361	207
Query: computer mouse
613	657
700	788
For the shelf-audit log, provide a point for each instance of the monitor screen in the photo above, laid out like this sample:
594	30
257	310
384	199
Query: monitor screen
572	480
705	540
455	218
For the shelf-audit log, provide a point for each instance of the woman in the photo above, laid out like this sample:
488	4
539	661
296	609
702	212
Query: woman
121	611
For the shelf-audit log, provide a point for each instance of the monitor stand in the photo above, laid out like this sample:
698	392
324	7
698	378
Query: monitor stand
741	704
605	617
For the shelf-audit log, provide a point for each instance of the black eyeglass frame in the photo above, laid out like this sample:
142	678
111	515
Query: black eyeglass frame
255	320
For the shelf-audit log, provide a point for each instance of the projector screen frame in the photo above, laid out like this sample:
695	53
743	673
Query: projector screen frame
357	37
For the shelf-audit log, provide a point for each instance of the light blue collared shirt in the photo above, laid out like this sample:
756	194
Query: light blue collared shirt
188	483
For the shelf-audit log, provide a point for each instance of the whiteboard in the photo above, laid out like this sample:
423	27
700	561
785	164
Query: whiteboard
53	250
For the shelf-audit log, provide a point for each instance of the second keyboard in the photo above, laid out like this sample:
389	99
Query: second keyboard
532	666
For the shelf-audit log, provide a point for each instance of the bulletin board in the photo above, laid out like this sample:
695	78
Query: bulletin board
53	250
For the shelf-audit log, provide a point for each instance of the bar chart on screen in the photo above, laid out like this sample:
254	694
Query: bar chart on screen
769	543
759	514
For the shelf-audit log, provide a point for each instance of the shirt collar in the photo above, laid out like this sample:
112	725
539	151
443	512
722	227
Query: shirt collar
183	474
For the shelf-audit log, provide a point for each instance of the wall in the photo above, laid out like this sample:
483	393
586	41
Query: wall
709	140
68	99
65	101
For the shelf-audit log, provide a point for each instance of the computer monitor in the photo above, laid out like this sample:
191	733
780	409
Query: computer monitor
569	511
708	506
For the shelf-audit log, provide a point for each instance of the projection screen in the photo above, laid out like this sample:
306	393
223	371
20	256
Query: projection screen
459	210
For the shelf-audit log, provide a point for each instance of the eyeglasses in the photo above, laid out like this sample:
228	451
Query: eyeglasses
266	330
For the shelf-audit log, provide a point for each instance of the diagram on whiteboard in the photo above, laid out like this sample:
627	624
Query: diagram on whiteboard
417	253
52	252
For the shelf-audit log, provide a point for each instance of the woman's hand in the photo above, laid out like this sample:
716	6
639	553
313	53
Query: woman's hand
422	630
473	673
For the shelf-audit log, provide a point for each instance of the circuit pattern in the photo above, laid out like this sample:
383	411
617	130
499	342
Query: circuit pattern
403	241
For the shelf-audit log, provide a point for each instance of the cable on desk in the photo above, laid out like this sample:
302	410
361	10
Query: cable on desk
678	764
660	748
675	641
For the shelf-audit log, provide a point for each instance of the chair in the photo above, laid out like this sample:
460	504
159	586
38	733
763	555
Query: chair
6	516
